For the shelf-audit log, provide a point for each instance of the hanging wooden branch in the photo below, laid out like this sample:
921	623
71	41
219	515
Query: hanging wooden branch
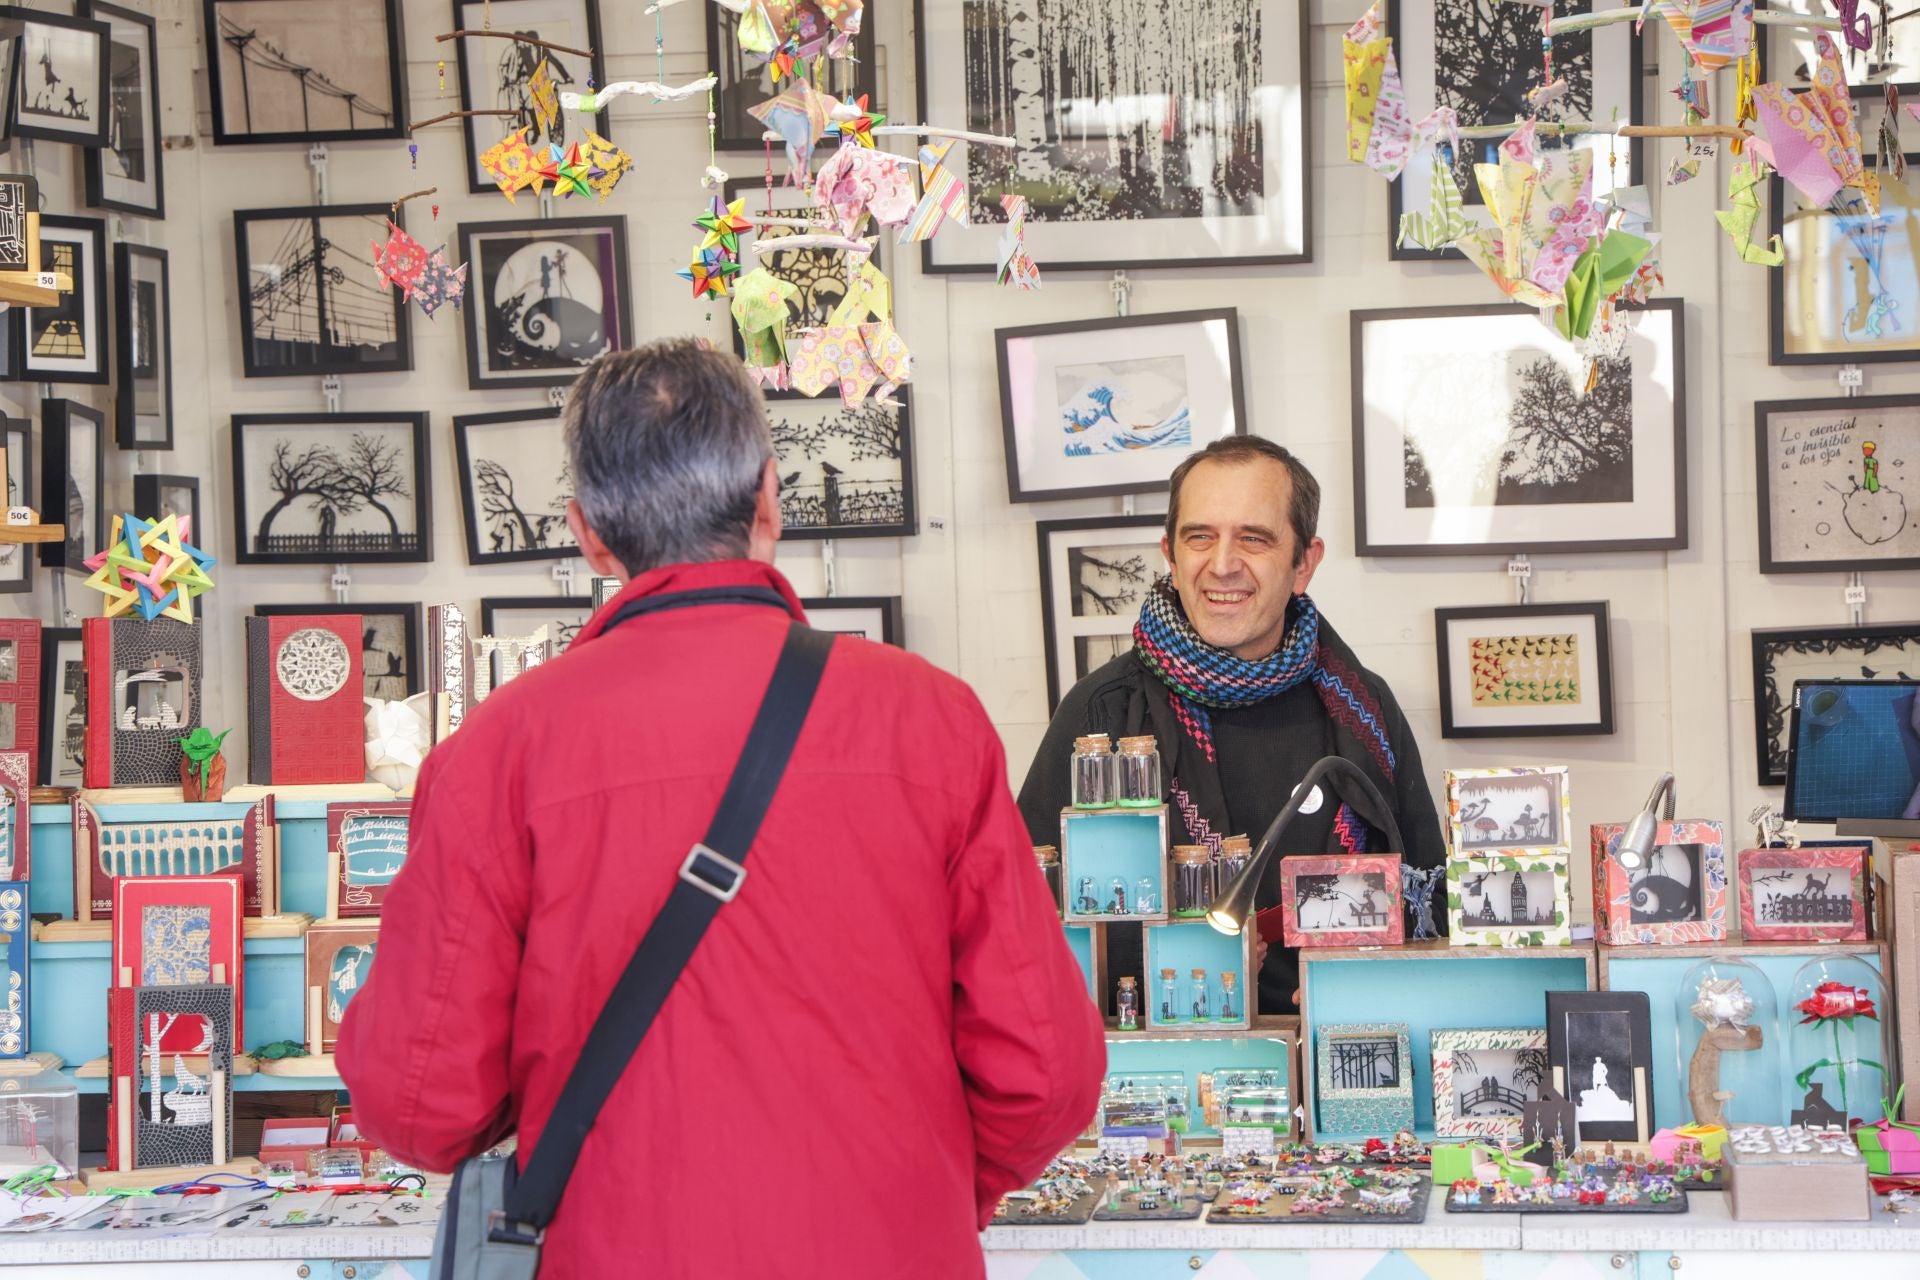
457	115
517	38
1621	130
413	195
927	130
1606	18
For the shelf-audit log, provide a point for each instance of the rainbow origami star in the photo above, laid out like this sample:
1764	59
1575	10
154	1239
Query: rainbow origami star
860	128
151	568
567	170
723	225
781	63
709	272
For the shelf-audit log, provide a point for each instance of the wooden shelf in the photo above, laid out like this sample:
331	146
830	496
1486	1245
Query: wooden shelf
17	533
1265	1027
142	1179
289	924
30	1065
98	1068
1733	946
314	1064
1441	949
248	793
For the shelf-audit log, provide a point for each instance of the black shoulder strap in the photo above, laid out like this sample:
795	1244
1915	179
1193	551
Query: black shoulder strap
709	878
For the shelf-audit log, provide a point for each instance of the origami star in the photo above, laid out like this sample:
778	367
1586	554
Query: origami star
606	164
781	63
545	95
709	271
400	261
1738	221
860	127
1813	139
567	170
513	163
723	225
1017	266
150	566
440	283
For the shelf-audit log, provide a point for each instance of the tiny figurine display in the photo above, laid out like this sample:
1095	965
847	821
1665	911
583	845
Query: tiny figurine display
1096	773
1484	1079
1199	976
1139	772
1126	1003
1505	810
1048	859
143	694
1193	886
305	699
1350	900
1678	896
1808	894
1363	1078
1063	1195
1593	1182
203	770
1141	1111
1508	900
1344	1194
366	847
1151	1189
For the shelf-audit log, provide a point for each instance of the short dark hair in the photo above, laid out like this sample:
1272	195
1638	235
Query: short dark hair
667	444
1303	512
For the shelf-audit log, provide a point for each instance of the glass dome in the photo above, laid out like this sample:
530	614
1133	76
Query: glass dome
1837	1046
1727	1025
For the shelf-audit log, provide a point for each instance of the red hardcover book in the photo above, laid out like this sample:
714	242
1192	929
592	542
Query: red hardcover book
366	843
19	685
171	931
305	699
143	696
193	844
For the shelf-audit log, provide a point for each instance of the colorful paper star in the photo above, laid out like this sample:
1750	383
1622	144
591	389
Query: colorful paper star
723	225
149	566
860	128
781	63
606	162
569	173
709	271
513	163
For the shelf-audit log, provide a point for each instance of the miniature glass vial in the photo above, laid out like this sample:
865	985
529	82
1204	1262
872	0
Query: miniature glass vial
1200	995
1049	859
1228	980
1192	880
1096	773
1139	772
1127	1003
1235	853
1169	996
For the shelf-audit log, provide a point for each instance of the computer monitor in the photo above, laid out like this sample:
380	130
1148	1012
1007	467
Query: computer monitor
1853	751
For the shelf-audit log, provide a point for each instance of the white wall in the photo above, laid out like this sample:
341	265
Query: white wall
970	580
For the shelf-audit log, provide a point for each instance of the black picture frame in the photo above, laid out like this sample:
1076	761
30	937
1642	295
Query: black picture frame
150	501
484	496
878	437
1861	83
408	613
313	477
19	197
484	370
1600	1011
1870	509
741	86
1213	247
1824	806
131	35
1772	702
1050	620
893	628
1236	401
24	121
1368	542
481	132
1597	610
83	308
1779	194
492	607
238	55
20	481
350	296
142	346
54	725
1528	21
61	423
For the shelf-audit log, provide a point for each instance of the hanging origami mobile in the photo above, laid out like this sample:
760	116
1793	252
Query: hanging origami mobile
440	283
856	182
605	163
1378	132
1543	215
855	358
943	196
1855	26
810	27
709	271
1812	139
151	568
600	99
1738	221
513	164
1017	266
860	126
567	169
759	308
1445	220
1713	32
400	261
544	95
723	225
799	116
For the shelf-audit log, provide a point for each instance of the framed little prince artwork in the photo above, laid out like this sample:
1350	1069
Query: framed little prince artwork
1839	483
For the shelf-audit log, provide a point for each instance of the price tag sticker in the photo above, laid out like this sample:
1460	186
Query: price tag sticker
1857	593
1519	567
1852	377
563	573
341	582
20	516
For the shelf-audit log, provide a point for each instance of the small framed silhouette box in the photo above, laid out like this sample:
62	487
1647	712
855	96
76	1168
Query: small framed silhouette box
1508	900
1679	894
1501	810
1348	900
1815	893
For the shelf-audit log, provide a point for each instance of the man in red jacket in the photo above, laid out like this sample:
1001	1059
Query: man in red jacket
881	1035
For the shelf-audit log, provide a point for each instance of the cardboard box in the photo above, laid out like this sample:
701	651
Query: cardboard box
291	1138
1803	1187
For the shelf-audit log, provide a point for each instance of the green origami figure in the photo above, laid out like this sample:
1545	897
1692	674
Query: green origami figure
201	746
1445	219
1738	221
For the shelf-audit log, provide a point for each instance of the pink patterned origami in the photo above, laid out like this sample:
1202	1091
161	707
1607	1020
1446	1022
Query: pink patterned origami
400	261
1813	138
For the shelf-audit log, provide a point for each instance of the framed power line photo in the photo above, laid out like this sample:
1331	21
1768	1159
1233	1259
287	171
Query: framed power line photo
291	72
311	301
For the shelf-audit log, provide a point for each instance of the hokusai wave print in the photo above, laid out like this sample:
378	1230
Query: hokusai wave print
1123	405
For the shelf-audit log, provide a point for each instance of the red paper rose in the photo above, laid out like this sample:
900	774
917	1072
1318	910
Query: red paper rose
1836	1000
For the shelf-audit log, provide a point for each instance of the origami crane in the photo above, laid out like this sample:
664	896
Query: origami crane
1856	26
854	358
1738	221
943	194
799	116
869	297
1017	266
723	225
151	568
1607	267
1813	139
810	26
513	164
1713	32
400	261
1378	132
856	182
760	301
1445	220
860	126
1543	216
440	284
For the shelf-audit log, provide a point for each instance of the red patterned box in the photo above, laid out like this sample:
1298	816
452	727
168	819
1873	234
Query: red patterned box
1342	900
1811	894
1679	896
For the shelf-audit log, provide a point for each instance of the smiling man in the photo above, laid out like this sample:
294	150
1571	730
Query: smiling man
1244	685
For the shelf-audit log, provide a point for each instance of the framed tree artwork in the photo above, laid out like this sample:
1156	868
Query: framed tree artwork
1784	655
280	72
746	79
820	277
544	299
1839	483
311	302
155	497
514	486
846	471
1144	136
1363	1078
875	618
495	74
1095	573
63	708
331	488
58	79
389	643
1525	670
125	174
1103	407
67	342
1850	283
1480	57
73	439
16	558
143	354
1474	429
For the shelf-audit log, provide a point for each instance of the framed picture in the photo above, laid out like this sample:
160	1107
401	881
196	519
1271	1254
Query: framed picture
1530	807
16	787
279	72
156	497
515	485
562	616
1816	893
16	558
143	354
1787	55
1679	895
545	299
1509	900
1180	140
1783	656
389	643
1484	1078
339	957
494	73
1834	489
846	471
1095	573
311	302
189	1124
73	437
19	206
1600	1051
746	80
59	78
15	927
331	488
875	617
125	173
1525	670
1363	1077
175	931
1850	282
1479	57
602	589
20	663
67	342
366	847
1097	407
63	707
1342	901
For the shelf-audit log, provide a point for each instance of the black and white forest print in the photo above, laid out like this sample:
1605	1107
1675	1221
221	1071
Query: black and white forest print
516	485
319	492
845	470
1488	57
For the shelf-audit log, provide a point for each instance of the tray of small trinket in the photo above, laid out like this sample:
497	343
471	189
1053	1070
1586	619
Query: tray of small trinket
1013	1211
1523	1202
1149	1204
1403	1204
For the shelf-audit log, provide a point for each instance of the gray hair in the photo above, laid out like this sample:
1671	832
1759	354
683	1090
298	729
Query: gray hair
667	445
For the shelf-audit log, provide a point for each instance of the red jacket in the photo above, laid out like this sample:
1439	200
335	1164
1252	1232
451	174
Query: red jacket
882	1034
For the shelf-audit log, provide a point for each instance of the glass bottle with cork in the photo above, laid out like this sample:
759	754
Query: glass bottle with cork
1096	773
1139	764
1126	1002
1192	879
1049	859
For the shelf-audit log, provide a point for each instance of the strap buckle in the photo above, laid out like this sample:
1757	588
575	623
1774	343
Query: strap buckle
718	875
501	1231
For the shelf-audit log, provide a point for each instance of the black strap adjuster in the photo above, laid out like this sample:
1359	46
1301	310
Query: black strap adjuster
501	1231
712	873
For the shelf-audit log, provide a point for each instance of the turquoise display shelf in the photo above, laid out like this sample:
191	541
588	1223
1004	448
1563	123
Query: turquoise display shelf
1659	970
1080	941
1197	1053
1429	986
